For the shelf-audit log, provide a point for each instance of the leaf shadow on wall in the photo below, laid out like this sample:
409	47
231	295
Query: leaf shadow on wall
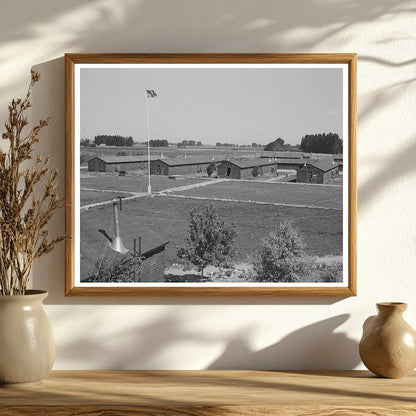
391	170
144	346
152	345
313	347
190	26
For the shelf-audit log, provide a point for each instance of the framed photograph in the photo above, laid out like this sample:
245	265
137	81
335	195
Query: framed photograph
211	174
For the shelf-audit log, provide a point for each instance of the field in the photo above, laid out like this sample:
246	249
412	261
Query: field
321	230
129	184
91	197
280	193
168	214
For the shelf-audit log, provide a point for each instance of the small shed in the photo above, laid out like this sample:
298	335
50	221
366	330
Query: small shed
95	243
245	168
181	165
117	163
151	247
319	171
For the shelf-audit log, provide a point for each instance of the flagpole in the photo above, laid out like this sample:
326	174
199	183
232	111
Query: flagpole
149	187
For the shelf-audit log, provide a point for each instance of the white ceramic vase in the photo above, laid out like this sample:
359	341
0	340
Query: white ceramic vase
27	347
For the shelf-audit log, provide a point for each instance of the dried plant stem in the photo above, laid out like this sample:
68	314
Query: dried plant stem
23	217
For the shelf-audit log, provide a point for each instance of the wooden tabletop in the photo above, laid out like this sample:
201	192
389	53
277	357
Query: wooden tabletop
203	393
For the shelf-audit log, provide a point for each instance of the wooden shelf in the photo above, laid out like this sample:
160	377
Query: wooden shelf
202	393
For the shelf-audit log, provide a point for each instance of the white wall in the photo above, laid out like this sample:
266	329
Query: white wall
199	333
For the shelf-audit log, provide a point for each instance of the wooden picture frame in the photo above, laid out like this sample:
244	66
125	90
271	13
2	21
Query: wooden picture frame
205	83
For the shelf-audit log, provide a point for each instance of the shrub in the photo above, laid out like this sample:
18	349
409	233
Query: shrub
210	241
121	268
282	257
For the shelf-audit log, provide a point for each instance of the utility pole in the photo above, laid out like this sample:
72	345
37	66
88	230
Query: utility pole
149	94
149	186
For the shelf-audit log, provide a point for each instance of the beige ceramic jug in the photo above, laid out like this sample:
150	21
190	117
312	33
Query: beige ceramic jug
388	344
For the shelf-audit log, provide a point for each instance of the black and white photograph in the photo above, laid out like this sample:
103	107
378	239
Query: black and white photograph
211	175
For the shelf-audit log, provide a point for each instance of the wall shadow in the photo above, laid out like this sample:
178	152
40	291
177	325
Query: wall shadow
314	347
391	170
139	347
151	26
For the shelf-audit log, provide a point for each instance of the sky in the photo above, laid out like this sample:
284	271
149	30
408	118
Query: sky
233	105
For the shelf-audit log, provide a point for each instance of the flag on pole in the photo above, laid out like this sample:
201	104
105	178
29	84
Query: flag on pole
151	93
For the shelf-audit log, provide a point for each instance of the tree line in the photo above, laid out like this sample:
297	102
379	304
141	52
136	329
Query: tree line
186	143
321	143
158	143
113	140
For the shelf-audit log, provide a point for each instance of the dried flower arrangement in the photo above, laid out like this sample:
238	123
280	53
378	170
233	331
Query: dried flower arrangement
28	199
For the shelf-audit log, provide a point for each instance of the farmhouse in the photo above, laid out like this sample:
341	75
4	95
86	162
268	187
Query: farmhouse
245	168
117	163
319	171
180	165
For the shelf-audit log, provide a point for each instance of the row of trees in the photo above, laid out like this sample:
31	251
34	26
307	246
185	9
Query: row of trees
158	143
113	140
311	143
190	143
212	242
321	143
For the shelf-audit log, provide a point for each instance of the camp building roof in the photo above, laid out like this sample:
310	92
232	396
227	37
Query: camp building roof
123	159
130	230
324	165
95	243
298	161
183	161
285	155
250	163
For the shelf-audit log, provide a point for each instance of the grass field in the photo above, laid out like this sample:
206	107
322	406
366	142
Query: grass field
167	216
91	197
294	194
134	183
